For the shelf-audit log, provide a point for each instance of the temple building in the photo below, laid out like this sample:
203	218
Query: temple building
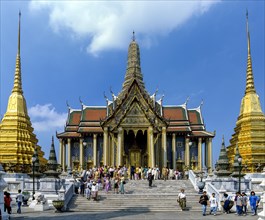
17	140
250	126
135	129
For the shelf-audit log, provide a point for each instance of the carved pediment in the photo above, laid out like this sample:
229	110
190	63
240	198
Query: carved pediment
135	117
134	110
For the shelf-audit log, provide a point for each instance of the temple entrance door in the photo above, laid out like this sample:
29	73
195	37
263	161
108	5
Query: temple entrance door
135	157
135	148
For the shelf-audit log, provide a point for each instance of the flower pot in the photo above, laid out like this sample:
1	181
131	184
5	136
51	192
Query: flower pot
201	186
58	204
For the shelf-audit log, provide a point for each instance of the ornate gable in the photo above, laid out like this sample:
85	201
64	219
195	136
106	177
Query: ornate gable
135	110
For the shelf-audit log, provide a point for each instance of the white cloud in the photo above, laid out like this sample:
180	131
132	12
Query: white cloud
108	24
45	118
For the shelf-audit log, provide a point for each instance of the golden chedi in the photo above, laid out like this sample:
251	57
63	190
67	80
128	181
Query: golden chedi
250	126
17	140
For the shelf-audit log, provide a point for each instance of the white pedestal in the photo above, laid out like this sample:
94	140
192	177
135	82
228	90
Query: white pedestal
41	207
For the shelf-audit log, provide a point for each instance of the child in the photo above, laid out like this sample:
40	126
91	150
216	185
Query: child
213	204
87	192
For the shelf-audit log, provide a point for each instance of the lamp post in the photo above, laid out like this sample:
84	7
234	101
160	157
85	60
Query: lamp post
239	159
34	158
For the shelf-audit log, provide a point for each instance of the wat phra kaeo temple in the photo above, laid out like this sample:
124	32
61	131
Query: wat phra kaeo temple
135	129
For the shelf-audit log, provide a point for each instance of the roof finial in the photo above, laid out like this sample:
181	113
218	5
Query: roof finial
17	81
19	18
250	88
248	36
133	37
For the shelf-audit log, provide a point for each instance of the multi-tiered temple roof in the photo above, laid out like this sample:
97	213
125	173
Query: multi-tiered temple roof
177	118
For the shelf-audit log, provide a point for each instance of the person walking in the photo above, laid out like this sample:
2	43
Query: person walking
239	203
150	179
182	199
253	201
213	204
203	201
244	203
7	202
121	185
19	199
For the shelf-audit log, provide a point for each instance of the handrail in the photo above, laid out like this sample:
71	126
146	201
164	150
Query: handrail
69	192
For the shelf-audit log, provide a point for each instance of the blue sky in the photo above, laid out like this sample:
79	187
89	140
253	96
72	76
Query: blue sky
188	49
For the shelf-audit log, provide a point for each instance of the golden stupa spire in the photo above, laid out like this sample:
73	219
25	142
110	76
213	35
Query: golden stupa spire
250	88
133	71
17	81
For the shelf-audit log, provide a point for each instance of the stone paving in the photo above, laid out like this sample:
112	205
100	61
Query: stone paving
120	215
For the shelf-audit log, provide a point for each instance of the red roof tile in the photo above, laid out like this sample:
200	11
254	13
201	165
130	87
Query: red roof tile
74	117
194	117
174	113
93	114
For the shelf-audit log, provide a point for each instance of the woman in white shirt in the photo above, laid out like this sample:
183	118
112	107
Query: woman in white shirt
94	190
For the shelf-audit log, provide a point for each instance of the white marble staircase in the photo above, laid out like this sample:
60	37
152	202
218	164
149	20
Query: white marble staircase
139	197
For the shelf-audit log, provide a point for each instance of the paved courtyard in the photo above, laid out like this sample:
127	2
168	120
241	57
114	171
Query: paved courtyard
121	215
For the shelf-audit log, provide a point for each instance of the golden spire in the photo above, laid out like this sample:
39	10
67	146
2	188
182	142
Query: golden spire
133	65
250	88
17	81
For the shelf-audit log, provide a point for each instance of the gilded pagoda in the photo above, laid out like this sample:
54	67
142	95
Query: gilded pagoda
250	126
135	129
17	140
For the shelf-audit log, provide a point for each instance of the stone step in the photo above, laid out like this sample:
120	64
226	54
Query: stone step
139	197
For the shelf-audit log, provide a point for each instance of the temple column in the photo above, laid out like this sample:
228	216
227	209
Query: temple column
81	155
105	146
152	150
187	152
151	155
119	147
174	150
209	155
164	146
94	150
200	154
69	159
112	152
61	152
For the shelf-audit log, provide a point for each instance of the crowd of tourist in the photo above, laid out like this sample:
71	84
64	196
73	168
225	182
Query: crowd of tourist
108	177
113	179
241	202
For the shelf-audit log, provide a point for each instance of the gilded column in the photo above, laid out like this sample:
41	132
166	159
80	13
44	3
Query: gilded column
63	155
119	147
94	150
187	152
61	152
151	147
174	150
164	146
105	146
69	161
112	152
81	155
209	155
200	154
